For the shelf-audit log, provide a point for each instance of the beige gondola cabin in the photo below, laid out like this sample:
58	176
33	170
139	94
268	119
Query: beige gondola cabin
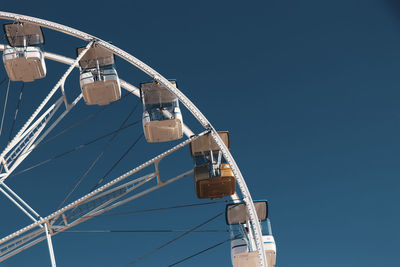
23	59
162	118
99	79
212	176
238	220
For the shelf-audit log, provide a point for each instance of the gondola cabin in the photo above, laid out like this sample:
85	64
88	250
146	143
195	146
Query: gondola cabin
212	176
23	59
162	118
99	80
243	252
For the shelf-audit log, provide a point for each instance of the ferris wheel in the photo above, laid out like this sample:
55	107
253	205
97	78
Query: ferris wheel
216	174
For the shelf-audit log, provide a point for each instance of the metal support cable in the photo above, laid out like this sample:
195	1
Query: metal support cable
174	239
200	252
185	101
16	111
4	108
98	157
191	107
163	208
118	161
90	116
148	231
73	149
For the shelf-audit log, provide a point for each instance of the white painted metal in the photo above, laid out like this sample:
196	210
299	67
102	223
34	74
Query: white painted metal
50	245
189	105
28	239
24	142
18	241
17	204
23	147
246	198
45	101
21	200
149	190
94	193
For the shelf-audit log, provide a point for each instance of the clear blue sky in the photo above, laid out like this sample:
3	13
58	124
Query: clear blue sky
309	91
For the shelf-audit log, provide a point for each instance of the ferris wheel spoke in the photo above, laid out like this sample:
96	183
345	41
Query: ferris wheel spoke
91	205
19	148
107	196
80	213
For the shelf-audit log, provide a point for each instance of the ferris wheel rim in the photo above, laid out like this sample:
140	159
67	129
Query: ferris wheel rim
183	99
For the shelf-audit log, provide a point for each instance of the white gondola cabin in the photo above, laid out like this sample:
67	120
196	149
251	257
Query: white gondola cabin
243	252
213	177
23	59
99	80
162	118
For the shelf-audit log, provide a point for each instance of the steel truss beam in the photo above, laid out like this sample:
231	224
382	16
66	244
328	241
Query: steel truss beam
91	205
183	99
28	136
27	139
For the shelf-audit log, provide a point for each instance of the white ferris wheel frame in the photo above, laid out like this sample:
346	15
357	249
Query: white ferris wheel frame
28	138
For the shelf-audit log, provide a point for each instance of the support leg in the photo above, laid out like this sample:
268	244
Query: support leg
50	244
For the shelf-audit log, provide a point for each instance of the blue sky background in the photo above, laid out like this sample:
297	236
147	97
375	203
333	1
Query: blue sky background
309	91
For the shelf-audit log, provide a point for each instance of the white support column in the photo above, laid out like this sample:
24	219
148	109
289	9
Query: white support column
50	244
